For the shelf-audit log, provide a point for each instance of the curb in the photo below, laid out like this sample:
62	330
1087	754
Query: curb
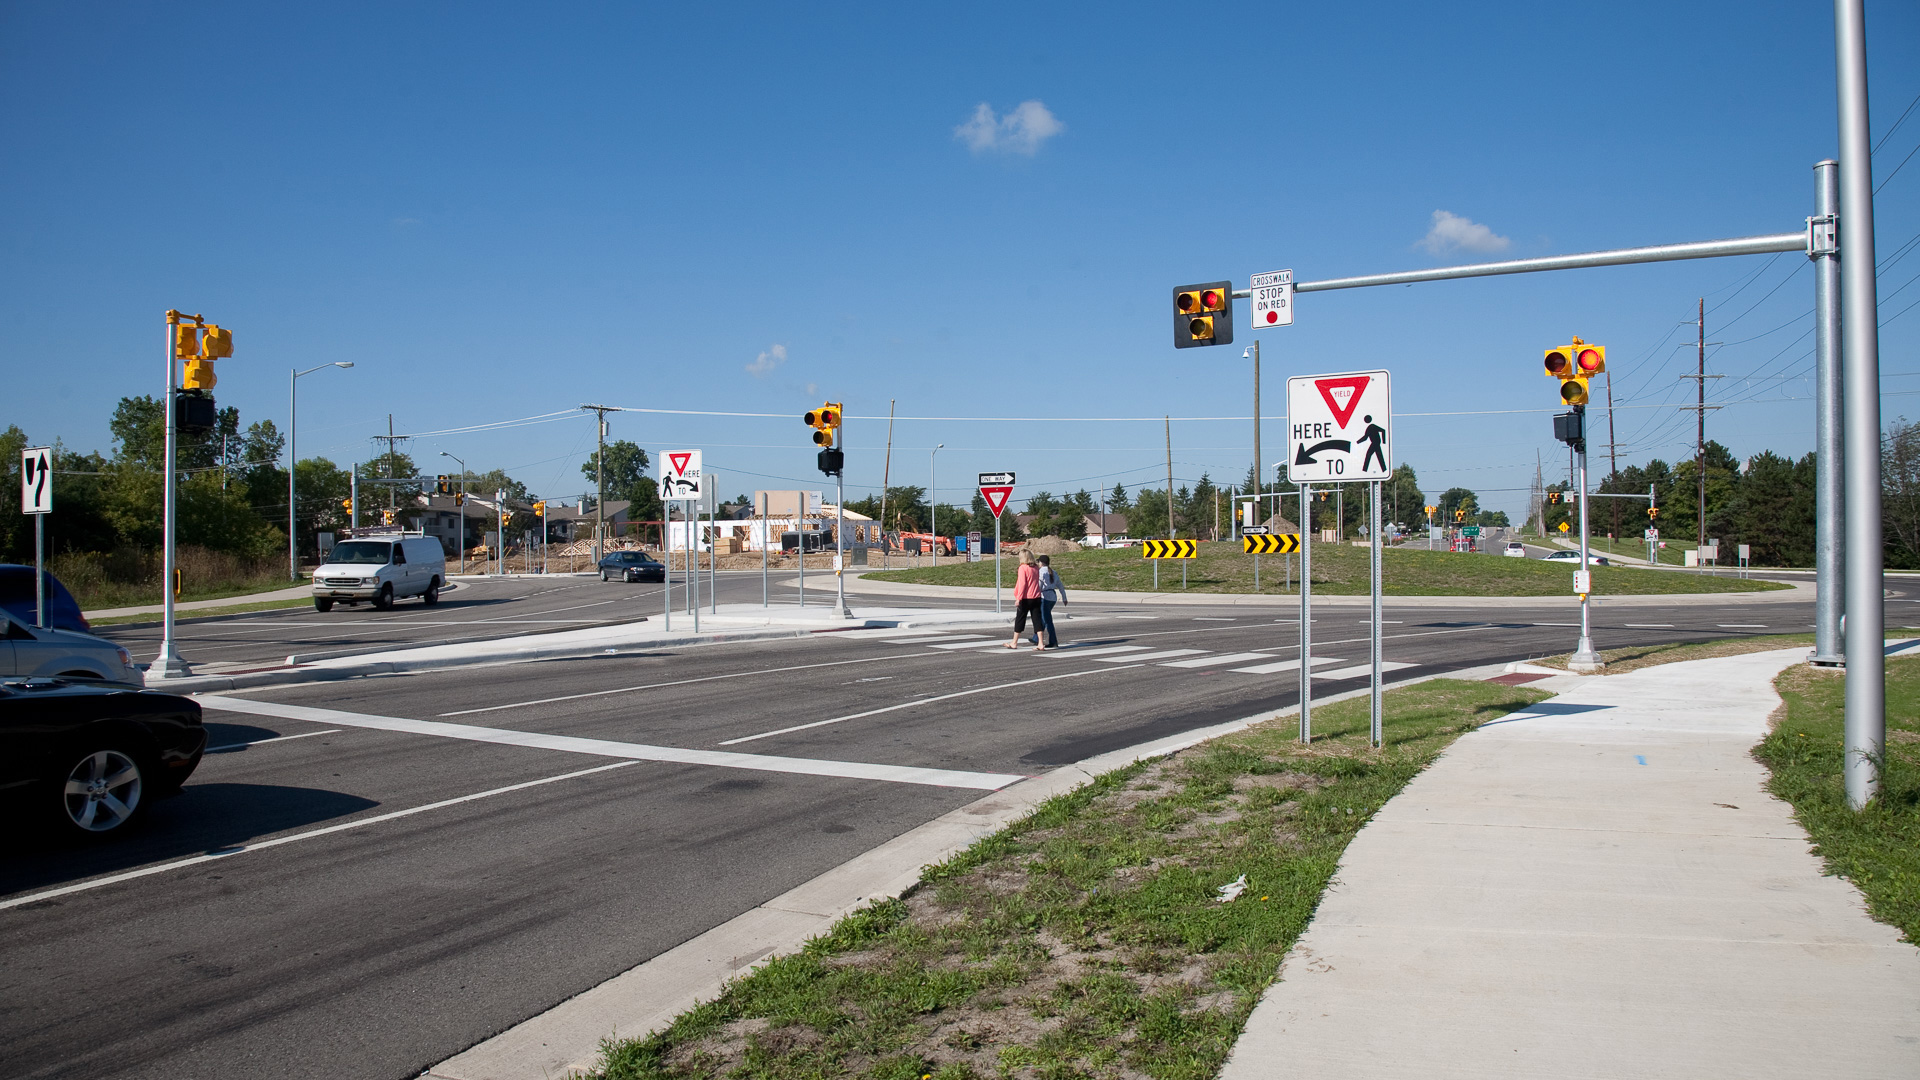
566	1038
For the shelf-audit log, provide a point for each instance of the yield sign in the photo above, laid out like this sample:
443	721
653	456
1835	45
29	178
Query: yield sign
996	496
680	462
1342	395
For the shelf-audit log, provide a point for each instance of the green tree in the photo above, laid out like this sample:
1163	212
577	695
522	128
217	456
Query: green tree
1117	501
1900	494
1147	519
1400	499
321	488
1457	498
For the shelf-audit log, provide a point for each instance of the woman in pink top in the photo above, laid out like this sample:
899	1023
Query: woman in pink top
1026	593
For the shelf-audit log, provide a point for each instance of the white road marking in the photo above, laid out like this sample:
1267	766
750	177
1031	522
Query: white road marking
1649	625
276	738
1165	654
986	644
1360	671
1214	618
918	702
1072	651
1220	658
658	685
1147	618
238	849
1741	626
1286	665
853	770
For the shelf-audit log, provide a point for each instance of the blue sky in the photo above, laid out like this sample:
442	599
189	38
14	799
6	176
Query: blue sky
499	213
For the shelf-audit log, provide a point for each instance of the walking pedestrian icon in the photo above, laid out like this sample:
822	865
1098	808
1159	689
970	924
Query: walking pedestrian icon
1339	427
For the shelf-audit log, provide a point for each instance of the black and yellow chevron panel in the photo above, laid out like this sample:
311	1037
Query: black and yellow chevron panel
1271	544
1169	549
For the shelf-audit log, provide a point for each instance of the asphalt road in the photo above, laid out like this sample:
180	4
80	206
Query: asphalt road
454	851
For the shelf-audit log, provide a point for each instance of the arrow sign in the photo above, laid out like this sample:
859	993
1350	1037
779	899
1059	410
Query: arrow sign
996	496
997	478
1306	454
680	475
1339	427
36	480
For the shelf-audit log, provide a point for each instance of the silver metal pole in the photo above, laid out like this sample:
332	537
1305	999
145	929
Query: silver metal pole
840	543
666	564
1373	534
996	554
1306	617
713	553
765	539
800	544
693	565
353	496
1584	657
168	664
1257	472
1829	550
1866	721
293	455
40	570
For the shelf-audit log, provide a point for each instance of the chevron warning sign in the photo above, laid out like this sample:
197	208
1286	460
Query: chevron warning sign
1169	549
1271	544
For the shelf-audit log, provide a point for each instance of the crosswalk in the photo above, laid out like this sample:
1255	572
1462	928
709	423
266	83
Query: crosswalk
1257	662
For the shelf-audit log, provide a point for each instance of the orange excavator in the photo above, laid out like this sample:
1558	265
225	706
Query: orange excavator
929	542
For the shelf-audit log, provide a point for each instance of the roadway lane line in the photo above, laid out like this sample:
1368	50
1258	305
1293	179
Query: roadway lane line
676	682
1286	665
1218	658
1071	651
921	701
1741	626
534	740
237	849
1648	625
263	742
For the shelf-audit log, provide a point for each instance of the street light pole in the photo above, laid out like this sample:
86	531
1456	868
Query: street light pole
293	461
933	500
460	505
168	663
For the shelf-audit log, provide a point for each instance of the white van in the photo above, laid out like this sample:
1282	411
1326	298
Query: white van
380	571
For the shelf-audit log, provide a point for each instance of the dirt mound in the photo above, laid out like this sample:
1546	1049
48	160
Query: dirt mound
1052	545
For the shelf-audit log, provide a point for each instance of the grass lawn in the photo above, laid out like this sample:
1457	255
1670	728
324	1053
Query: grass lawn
1878	849
205	613
1337	570
1640	656
1084	940
105	595
1633	548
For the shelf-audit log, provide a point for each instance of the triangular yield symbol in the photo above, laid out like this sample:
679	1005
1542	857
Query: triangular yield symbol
1343	395
680	463
996	498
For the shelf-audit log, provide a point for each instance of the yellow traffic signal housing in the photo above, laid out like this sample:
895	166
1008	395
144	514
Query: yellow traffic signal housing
825	421
216	344
1653	511
1203	314
186	342
540	509
1573	391
199	375
1559	362
1589	360
346	504
386	517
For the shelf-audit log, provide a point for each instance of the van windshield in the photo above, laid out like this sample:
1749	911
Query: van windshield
367	552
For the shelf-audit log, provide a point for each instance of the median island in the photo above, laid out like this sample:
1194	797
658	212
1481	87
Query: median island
1338	570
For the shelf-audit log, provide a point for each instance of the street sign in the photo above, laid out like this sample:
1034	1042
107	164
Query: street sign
997	479
1272	299
1254	530
36	480
680	475
1339	427
1264	543
996	488
1653	534
1582	582
1169	549
1471	530
1564	526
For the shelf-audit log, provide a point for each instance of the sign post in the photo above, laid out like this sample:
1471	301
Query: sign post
1339	430
996	488
36	499
681	481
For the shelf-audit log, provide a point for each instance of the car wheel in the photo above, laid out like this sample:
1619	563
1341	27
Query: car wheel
383	601
432	595
604	577
100	791
321	603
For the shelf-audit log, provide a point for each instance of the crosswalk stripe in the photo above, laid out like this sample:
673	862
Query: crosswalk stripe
1103	650
1166	655
1220	658
1361	671
983	644
1286	665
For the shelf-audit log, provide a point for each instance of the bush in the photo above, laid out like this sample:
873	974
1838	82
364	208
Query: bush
128	576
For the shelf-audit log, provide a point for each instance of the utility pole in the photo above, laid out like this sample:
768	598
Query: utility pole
1169	477
886	477
391	440
600	479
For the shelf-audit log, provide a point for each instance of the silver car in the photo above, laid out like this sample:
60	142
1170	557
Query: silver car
32	650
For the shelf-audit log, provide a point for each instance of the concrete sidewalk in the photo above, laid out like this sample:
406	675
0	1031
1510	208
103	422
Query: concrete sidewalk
1596	887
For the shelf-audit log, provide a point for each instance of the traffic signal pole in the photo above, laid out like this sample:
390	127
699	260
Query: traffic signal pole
1584	657
1829	550
168	664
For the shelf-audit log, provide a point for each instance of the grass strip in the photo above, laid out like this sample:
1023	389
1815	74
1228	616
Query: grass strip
204	613
1085	940
1634	657
1878	848
1338	570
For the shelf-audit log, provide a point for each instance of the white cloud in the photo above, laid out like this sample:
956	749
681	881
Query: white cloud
1020	131
1453	233
764	364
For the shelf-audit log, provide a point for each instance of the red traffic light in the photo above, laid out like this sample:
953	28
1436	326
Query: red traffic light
1592	359
1210	300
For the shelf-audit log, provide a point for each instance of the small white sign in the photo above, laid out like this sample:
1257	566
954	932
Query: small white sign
1582	582
1272	296
36	480
680	475
1339	427
996	479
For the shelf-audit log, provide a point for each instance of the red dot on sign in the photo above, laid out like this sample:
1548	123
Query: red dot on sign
1273	316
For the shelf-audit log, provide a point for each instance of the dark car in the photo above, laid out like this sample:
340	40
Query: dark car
87	758
632	566
16	596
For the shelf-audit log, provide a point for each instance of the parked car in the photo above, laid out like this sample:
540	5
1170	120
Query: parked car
17	600
380	571
632	566
1514	550
27	651
87	758
1574	556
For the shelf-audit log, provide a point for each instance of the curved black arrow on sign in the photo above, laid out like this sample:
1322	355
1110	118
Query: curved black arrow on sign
1305	456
